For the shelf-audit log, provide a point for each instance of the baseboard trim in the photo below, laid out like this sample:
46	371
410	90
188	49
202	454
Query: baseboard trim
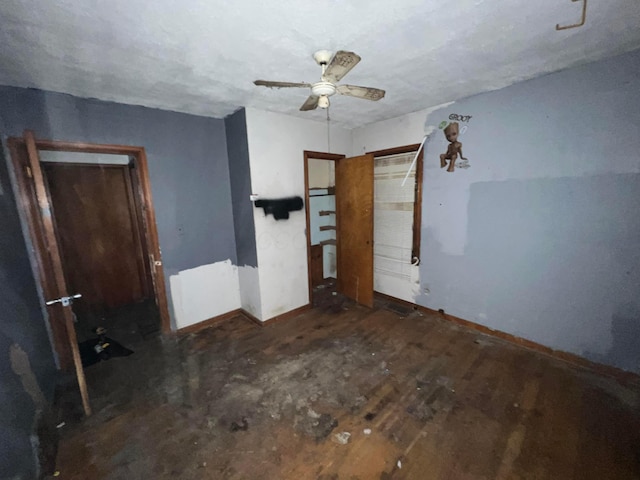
250	317
622	376
279	318
196	327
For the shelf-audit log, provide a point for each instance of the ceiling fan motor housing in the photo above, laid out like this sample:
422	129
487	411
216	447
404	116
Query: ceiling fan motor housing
323	89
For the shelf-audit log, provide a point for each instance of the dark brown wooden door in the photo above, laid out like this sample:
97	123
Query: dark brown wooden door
99	234
354	212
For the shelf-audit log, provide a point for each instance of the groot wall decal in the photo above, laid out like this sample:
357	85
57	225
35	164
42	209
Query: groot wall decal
454	149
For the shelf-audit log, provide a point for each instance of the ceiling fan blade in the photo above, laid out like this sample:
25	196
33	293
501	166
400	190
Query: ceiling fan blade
367	93
267	83
310	104
341	63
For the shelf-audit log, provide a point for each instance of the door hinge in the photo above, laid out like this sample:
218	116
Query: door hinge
27	170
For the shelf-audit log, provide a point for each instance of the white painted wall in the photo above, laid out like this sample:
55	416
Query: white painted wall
249	280
276	145
330	261
204	292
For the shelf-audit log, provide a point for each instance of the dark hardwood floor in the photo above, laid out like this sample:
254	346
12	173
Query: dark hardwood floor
420	398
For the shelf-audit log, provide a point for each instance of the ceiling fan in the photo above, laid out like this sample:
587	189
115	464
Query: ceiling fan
333	69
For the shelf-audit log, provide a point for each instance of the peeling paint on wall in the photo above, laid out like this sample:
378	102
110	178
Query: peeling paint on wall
22	367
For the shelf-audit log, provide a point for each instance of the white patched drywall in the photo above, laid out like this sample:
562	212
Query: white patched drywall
204	292
276	146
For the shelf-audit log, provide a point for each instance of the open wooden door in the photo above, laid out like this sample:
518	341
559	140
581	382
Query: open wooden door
354	212
58	303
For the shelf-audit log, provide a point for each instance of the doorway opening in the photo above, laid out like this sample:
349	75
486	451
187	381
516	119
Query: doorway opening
90	218
320	202
347	234
397	220
98	220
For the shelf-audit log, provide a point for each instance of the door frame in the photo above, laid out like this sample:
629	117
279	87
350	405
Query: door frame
28	206
417	202
310	155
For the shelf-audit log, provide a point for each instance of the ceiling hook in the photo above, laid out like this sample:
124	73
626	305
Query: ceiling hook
584	16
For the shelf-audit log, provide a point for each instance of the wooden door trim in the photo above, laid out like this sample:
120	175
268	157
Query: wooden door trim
139	156
315	156
136	210
81	164
395	150
138	231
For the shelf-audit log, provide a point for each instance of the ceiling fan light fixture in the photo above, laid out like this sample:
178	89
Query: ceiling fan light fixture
323	101
322	57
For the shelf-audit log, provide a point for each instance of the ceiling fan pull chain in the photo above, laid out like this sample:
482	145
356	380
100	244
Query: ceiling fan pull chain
328	132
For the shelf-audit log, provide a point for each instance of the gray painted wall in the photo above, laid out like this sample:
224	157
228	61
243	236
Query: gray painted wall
540	237
187	158
240	176
21	324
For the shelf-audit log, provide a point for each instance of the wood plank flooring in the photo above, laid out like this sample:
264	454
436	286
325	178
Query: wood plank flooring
236	401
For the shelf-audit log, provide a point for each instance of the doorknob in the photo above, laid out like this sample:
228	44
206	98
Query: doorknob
65	301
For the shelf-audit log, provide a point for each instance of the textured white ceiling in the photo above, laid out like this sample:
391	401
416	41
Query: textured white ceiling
201	56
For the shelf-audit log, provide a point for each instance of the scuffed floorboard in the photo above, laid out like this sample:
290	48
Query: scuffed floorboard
237	401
